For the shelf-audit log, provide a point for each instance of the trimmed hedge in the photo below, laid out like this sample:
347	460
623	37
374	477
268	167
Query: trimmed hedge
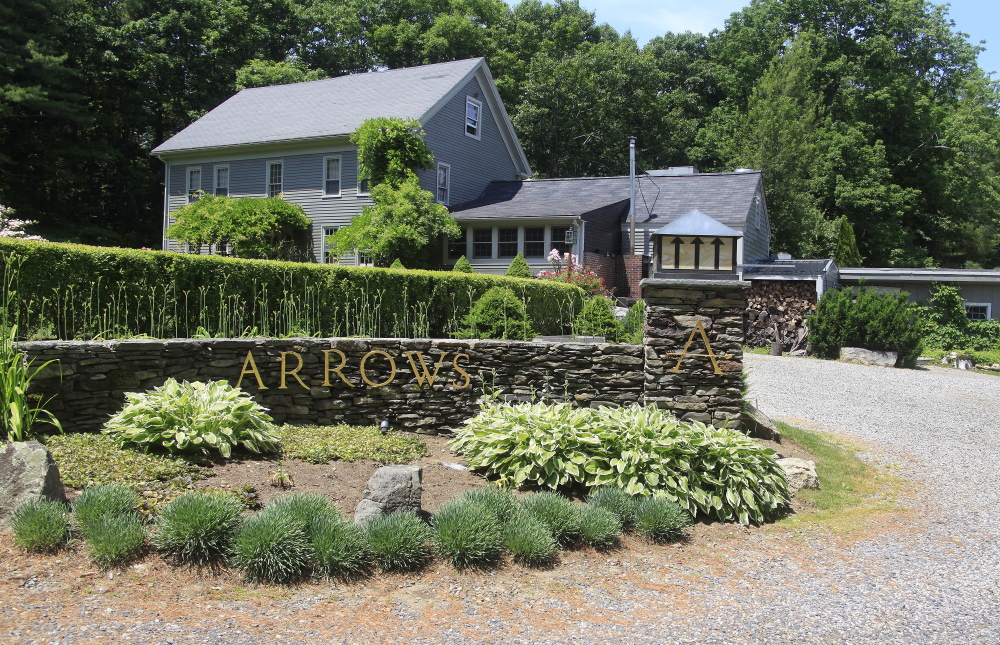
72	291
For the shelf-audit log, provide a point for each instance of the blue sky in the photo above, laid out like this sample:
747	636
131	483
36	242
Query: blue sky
980	19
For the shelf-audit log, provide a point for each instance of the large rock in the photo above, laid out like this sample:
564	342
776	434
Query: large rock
391	488
759	425
800	473
868	357
27	471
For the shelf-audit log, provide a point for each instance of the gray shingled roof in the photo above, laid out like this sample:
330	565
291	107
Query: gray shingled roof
725	197
697	223
789	268
330	107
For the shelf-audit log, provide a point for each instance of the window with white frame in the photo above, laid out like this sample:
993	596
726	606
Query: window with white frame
456	247
443	183
363	188
221	181
482	243
331	176
328	257
193	183
506	242
364	258
978	310
534	242
473	116
274	178
559	239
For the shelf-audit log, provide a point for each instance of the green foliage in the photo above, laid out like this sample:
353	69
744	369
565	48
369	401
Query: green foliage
19	414
272	546
103	501
717	472
616	501
262	73
467	533
340	550
191	417
322	444
597	318
660	519
518	267
498	314
949	328
390	150
599	527
248	227
86	460
307	509
846	254
501	503
398	541
529	540
462	265
86	292
634	325
198	527
866	318
39	525
559	515
396	264
113	539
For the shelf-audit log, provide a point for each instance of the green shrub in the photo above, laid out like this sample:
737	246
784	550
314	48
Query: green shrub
598	319
398	541
308	509
396	264
198	527
559	515
190	417
518	268
83	292
39	525
868	319
499	502
499	314
20	412
272	546
322	444
466	533
340	550
599	527
88	459
660	519
616	501
113	539
529	541
950	329
103	501
462	265
634	325
718	472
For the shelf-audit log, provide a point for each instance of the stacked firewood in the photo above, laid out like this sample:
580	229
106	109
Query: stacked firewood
777	312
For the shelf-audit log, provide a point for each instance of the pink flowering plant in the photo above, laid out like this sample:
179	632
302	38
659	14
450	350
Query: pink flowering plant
566	268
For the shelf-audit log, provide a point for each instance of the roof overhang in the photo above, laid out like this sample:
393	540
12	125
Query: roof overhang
698	224
919	275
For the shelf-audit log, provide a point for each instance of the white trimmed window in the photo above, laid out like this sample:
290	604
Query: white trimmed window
473	117
275	173
978	310
331	176
443	183
193	183
329	258
221	181
363	187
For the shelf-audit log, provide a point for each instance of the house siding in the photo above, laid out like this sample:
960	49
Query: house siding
757	232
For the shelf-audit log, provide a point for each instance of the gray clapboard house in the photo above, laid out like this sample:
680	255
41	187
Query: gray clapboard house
292	140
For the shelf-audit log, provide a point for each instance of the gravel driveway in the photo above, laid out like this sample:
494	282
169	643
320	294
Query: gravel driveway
928	575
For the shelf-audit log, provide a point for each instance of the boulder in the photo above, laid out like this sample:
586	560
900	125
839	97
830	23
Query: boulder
759	425
391	488
800	473
868	357
965	362
27	471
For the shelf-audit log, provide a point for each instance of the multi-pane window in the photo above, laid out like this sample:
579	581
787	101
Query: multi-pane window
193	184
363	188
221	181
328	257
559	239
365	258
473	112
274	177
443	183
507	242
977	310
482	243
534	242
456	247
331	185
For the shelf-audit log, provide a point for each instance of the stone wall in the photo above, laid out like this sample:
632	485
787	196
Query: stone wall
681	375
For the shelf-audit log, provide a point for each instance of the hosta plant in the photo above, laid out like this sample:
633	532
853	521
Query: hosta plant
190	417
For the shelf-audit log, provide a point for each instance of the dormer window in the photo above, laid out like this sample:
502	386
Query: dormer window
473	114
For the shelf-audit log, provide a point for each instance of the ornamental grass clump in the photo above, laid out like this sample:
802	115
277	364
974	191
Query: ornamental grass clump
560	515
660	519
40	525
340	550
398	541
308	509
198	528
499	502
617	501
272	546
103	501
599	527
529	541
194	417
114	539
467	534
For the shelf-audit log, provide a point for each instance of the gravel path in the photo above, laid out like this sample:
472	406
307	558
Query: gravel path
926	576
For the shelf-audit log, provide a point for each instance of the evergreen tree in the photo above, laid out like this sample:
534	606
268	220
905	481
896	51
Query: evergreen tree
396	264
846	254
518	268
598	319
462	265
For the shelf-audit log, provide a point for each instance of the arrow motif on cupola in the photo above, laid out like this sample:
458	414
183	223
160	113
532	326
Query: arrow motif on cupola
697	252
718	245
677	251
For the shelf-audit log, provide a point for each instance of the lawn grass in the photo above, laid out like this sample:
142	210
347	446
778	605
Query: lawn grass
322	444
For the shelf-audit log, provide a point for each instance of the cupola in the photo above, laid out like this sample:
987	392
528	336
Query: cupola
695	244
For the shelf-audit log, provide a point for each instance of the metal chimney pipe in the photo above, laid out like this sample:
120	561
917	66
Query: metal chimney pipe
631	201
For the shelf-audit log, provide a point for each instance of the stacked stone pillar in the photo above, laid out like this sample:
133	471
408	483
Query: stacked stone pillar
696	387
